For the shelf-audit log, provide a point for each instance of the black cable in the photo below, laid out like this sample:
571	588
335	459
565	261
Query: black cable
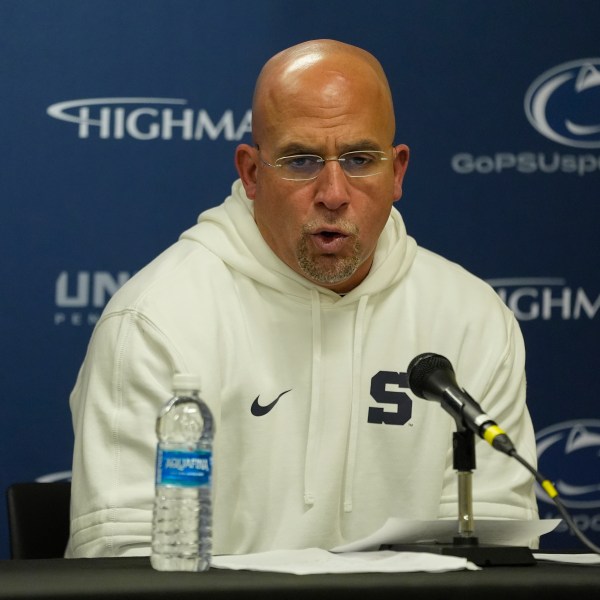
550	490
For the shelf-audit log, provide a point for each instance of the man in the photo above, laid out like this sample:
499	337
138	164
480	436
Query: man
300	302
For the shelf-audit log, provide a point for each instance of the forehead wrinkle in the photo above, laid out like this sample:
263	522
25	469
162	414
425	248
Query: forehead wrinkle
293	147
311	123
323	92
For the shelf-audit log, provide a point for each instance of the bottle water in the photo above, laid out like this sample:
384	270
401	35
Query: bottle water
182	520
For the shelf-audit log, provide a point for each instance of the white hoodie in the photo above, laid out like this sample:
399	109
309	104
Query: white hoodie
346	445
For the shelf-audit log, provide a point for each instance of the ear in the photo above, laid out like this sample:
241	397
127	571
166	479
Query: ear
245	163
401	154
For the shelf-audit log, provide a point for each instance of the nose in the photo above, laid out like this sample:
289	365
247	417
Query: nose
332	186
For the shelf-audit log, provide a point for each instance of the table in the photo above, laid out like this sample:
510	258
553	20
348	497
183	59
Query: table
115	578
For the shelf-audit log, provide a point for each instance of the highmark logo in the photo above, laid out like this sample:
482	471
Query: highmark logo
148	119
563	104
545	298
80	299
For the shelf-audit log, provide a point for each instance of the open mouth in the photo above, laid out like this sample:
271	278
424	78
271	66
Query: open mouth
329	241
330	235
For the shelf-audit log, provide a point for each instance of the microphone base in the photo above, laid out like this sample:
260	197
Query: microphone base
480	554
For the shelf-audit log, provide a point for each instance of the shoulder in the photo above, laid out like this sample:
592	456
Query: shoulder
449	298
470	322
437	275
180	271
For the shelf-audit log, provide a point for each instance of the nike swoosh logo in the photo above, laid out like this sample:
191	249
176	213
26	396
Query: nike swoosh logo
258	410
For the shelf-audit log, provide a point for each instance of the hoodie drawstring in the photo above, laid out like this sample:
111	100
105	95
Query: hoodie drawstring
354	410
315	399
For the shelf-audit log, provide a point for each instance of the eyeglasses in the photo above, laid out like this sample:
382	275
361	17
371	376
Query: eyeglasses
304	167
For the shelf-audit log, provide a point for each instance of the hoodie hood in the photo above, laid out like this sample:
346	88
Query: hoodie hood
230	232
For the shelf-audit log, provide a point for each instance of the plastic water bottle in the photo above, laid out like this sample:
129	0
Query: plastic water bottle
182	521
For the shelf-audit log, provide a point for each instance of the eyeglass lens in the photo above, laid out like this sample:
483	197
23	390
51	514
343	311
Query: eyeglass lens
357	163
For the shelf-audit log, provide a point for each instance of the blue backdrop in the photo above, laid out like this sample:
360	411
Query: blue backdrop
118	121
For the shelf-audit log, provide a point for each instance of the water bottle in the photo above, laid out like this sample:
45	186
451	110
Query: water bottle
182	520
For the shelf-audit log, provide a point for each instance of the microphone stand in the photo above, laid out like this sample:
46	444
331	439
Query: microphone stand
463	446
466	544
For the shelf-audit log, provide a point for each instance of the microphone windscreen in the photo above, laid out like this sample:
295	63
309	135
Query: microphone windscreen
421	367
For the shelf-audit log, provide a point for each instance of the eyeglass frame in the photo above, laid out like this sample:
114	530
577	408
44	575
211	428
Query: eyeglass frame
325	160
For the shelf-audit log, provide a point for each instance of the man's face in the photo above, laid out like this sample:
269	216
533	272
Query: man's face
325	229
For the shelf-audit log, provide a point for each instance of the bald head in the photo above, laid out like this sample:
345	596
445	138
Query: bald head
319	74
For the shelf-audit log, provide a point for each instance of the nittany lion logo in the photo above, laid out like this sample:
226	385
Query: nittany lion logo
569	456
563	104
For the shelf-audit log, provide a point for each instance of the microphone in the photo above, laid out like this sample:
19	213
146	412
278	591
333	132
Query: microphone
431	377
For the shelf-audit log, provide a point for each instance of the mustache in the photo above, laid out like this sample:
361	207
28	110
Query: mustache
331	223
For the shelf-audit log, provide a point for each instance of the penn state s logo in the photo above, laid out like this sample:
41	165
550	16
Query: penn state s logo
388	388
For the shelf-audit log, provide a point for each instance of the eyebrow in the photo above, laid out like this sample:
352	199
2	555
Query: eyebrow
293	148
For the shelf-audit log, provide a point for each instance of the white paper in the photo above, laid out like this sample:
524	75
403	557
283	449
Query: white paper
315	560
573	559
488	531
